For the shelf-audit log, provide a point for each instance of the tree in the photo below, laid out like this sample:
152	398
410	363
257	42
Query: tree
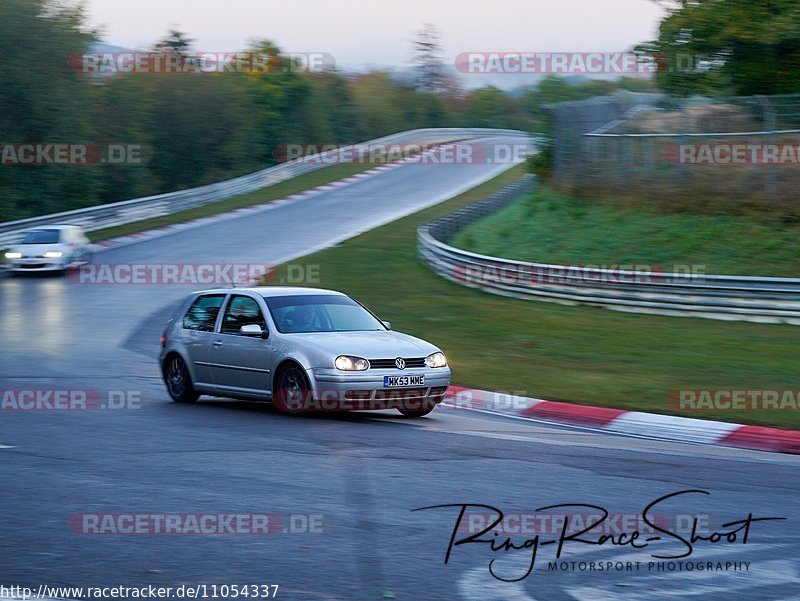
333	101
176	41
491	107
427	58
374	94
42	100
192	128
728	47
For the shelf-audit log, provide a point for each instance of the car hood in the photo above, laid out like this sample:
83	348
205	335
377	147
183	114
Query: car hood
35	250
369	345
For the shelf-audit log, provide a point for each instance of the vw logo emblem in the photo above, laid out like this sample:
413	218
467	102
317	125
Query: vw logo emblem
400	363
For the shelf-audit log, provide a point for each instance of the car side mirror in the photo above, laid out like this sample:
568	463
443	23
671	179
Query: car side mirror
388	324
254	330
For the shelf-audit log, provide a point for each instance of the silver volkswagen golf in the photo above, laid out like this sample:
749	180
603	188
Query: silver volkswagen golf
302	348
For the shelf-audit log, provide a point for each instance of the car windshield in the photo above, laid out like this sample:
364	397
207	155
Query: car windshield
41	237
320	313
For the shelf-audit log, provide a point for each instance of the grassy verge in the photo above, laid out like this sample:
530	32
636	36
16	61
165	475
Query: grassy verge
307	181
551	228
578	354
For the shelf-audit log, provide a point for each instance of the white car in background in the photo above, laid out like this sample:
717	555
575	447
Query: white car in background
49	248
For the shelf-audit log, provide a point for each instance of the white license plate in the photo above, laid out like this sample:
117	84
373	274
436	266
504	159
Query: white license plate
403	381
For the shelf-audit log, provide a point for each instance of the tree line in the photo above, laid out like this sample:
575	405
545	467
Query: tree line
195	129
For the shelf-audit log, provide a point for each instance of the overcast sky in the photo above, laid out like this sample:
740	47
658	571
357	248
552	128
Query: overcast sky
378	33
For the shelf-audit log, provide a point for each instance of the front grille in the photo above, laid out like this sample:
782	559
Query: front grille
400	394
358	395
389	363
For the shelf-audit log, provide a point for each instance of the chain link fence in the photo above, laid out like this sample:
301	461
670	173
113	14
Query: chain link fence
731	154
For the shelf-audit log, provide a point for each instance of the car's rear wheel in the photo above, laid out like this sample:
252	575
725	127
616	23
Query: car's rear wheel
179	381
415	412
292	391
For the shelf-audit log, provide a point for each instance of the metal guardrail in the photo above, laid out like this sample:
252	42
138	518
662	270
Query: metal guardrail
138	209
728	297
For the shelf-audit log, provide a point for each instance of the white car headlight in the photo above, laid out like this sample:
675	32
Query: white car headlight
13	255
436	360
348	363
53	254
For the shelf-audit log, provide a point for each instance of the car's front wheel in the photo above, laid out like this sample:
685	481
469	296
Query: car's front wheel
179	381
292	391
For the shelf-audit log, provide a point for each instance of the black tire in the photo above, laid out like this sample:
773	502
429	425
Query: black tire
178	380
292	391
415	412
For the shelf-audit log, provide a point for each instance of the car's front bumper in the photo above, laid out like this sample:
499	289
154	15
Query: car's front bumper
335	390
34	264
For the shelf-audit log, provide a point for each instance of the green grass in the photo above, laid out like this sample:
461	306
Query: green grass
578	354
307	181
548	227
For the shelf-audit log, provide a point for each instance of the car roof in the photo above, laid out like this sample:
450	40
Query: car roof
273	291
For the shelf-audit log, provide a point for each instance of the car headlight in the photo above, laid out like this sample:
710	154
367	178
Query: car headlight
53	254
13	255
348	363
436	360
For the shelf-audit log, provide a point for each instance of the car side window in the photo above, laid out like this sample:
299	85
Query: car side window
202	315
241	311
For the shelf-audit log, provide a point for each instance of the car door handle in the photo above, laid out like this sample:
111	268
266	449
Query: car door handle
217	343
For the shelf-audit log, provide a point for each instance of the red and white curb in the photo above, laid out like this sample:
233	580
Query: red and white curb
631	423
267	206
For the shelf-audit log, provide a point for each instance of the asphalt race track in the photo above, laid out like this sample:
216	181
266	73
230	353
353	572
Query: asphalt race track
351	479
